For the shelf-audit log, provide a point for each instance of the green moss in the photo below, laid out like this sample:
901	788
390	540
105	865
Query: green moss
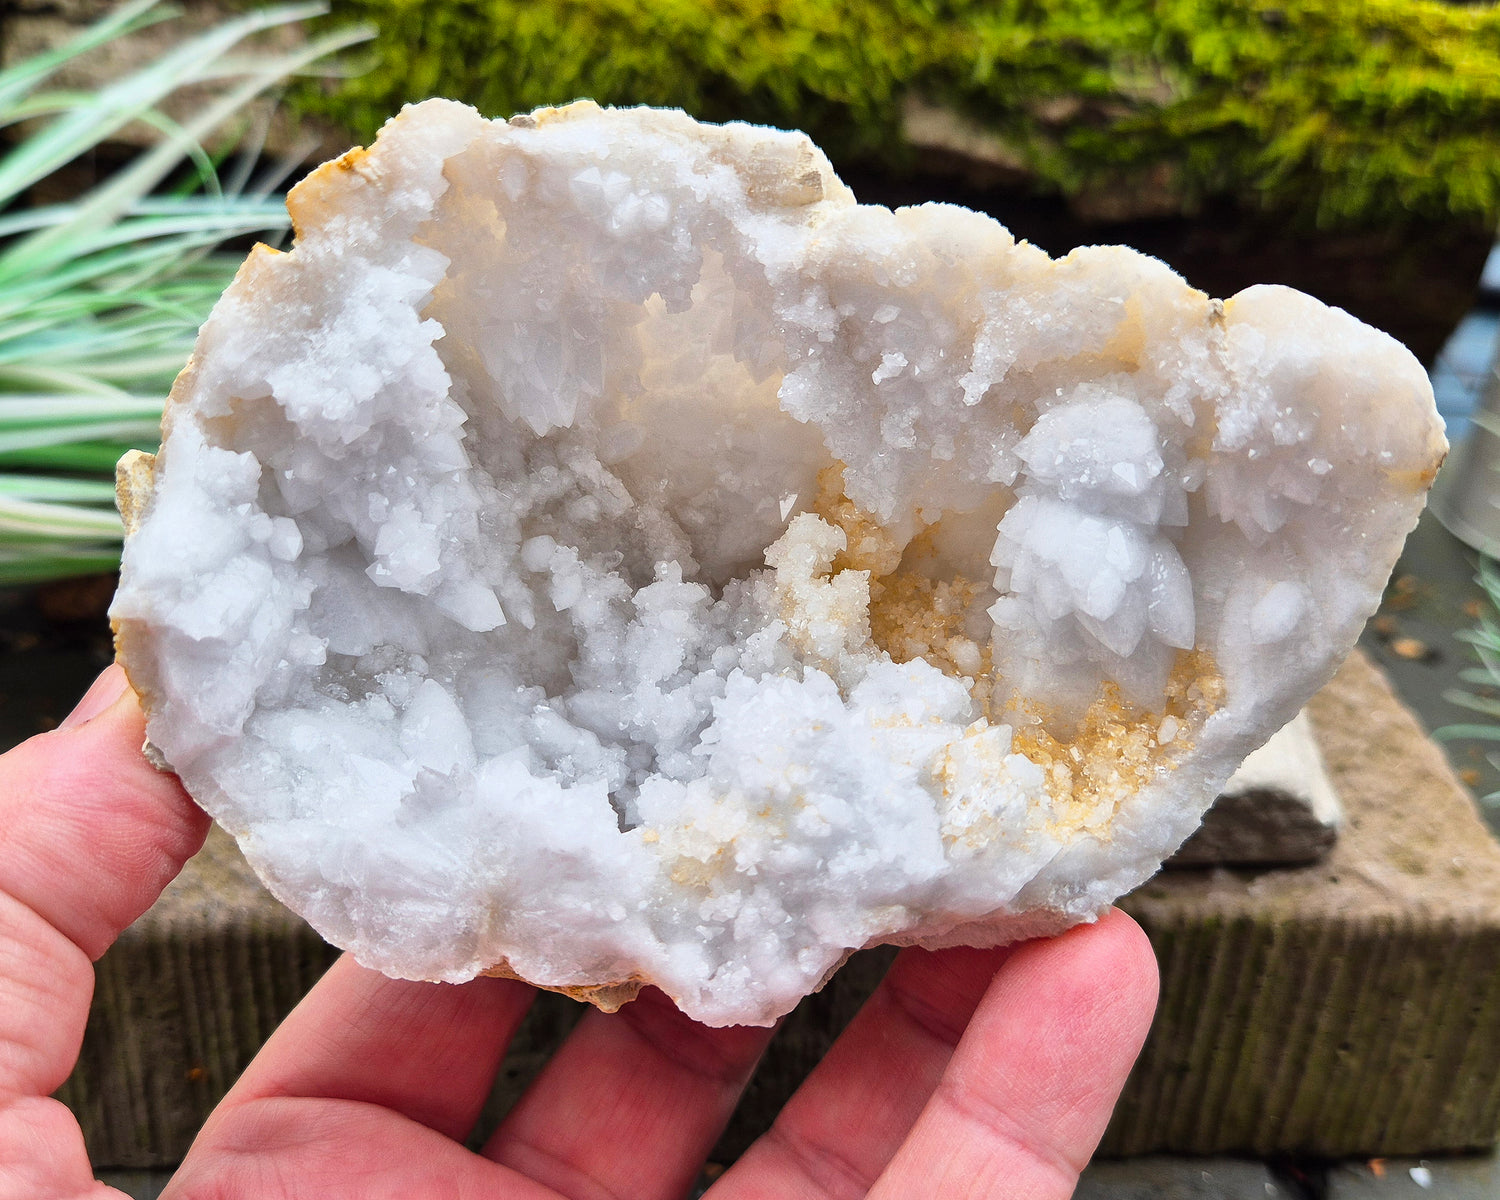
1346	112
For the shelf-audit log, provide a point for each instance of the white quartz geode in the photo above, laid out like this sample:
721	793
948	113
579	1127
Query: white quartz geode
601	552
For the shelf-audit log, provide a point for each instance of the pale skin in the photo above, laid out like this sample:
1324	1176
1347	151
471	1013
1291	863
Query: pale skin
969	1074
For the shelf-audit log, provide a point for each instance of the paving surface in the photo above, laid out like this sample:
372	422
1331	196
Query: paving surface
1180	1179
1468	1178
1402	1179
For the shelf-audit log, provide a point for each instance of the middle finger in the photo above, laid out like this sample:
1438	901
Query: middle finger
843	1125
631	1105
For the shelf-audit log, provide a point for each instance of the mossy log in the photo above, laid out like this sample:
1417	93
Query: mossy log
1346	113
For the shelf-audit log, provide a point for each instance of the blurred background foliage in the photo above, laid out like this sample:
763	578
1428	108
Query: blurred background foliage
1335	112
102	292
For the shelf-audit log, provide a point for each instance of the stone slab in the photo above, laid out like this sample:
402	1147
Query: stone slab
1347	1008
1351	1007
1279	808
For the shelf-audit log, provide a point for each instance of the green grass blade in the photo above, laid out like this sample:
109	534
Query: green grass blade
156	367
41	564
89	457
171	213
76	344
52	103
116	196
26	412
23	380
117	104
125	432
17	81
1480	704
45	521
52	489
135	264
1483	733
29	424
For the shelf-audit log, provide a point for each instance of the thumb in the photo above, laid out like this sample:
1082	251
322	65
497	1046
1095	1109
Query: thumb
92	835
94	831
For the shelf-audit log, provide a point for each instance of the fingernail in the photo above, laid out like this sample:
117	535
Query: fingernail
108	688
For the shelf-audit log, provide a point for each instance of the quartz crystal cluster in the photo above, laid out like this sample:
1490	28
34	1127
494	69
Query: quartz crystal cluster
603	553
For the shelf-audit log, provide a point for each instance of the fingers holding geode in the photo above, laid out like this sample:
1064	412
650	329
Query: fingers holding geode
93	830
632	1103
1031	1086
846	1121
429	1051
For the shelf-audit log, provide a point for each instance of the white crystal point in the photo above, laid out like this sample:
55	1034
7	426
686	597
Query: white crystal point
601	552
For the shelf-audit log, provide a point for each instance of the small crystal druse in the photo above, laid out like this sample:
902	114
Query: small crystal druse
602	552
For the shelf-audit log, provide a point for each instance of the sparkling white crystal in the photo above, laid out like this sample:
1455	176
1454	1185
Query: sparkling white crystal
603	552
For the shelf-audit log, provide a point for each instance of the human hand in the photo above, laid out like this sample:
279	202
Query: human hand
969	1073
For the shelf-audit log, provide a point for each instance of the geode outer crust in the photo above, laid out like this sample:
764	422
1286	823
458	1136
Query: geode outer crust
603	554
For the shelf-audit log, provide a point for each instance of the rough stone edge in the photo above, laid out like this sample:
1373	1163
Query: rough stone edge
606	997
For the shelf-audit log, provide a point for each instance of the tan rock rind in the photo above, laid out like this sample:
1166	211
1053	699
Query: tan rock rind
606	997
135	484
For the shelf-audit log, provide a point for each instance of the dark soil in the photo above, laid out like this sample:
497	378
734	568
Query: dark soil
54	640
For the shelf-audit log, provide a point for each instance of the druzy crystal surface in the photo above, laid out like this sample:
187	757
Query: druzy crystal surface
602	552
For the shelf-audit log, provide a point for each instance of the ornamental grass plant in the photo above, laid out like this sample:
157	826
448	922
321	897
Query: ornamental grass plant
1482	696
101	296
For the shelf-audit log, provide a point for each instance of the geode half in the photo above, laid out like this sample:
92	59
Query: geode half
603	553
